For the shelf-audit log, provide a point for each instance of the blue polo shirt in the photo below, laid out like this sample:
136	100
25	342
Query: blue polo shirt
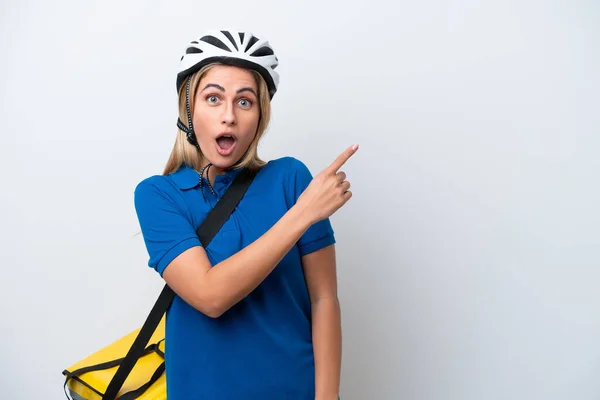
261	348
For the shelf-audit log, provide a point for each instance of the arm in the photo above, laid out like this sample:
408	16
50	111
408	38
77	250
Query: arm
320	272
176	253
213	290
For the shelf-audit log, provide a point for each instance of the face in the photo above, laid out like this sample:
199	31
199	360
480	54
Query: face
226	114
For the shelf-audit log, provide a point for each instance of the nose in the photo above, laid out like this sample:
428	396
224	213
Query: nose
229	117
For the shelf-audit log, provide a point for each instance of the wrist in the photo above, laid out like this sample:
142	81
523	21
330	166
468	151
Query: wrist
301	216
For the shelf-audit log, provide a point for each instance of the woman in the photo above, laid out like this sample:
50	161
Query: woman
256	314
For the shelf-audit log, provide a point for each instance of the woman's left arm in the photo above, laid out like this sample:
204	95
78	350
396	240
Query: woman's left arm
320	273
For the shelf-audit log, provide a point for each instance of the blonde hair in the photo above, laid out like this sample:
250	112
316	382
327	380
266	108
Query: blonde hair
185	153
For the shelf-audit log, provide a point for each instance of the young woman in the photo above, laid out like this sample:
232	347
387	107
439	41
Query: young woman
256	314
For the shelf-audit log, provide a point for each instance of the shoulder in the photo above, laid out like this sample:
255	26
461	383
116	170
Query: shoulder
151	185
287	167
155	188
288	174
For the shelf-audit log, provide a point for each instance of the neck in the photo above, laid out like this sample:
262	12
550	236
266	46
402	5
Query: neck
213	171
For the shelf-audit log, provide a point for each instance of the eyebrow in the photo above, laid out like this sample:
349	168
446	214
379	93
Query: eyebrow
215	86
245	89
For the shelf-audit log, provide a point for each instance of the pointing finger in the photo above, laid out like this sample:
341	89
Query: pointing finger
342	158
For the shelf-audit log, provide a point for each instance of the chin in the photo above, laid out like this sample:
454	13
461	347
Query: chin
224	162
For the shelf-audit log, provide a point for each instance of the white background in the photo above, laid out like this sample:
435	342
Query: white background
469	256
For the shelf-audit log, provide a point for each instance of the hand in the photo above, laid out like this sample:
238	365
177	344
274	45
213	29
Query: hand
328	191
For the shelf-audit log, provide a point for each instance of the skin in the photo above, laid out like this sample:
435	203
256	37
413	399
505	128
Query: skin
226	103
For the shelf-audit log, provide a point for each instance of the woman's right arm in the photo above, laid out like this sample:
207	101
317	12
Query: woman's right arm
214	289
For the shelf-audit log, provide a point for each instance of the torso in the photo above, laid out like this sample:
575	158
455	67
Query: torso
261	348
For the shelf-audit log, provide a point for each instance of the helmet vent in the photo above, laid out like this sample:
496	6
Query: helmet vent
215	42
230	38
251	42
192	49
263	51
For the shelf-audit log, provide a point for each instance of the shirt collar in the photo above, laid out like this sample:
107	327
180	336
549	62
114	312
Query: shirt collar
187	177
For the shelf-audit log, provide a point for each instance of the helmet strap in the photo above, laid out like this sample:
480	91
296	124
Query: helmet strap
189	129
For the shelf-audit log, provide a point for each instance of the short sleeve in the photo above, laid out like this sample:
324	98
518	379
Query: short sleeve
166	230
320	234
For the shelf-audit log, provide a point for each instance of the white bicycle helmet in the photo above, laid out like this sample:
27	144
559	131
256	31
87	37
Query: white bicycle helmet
241	49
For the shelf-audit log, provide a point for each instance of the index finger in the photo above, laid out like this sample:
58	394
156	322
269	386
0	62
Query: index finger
342	158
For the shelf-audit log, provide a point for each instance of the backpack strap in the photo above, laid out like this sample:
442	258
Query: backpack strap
206	232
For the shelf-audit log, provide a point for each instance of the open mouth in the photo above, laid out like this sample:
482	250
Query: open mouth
225	144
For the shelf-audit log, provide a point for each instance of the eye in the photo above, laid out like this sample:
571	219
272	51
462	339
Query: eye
245	103
212	99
